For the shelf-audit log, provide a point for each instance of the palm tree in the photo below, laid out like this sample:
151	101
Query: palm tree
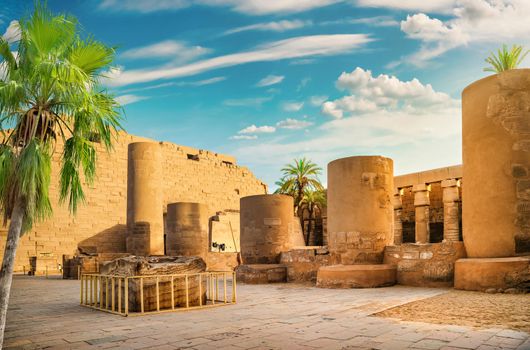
311	201
302	174
50	92
505	60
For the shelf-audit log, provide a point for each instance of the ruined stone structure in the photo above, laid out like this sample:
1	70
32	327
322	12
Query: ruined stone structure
360	211
427	227
187	229
360	223
100	227
268	228
496	156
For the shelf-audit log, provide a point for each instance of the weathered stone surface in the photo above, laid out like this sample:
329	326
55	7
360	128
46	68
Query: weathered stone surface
261	273
496	173
432	265
356	276
303	264
152	266
481	274
267	228
207	177
360	209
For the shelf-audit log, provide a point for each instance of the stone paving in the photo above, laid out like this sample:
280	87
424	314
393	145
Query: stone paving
45	314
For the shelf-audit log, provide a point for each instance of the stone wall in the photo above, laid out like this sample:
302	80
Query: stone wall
425	265
189	175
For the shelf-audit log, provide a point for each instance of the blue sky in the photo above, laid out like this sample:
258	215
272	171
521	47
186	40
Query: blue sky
271	80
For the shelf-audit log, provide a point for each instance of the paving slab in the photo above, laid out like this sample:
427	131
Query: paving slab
45	313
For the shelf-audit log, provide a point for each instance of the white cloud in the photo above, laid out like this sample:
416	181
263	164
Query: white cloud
12	33
472	21
297	47
384	92
317	100
270	80
178	51
253	129
203	82
129	98
243	137
250	7
293	124
246	102
376	21
409	121
292	106
415	5
303	83
277	26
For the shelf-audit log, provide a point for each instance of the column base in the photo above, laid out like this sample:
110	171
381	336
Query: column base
493	274
261	273
356	276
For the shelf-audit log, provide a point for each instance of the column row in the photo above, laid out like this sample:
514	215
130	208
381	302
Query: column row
451	212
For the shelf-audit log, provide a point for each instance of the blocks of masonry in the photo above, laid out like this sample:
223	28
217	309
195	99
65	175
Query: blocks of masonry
100	225
496	168
268	228
360	216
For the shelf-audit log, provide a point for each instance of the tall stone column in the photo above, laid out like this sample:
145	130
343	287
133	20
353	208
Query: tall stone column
360	211
451	200
398	224
145	213
421	204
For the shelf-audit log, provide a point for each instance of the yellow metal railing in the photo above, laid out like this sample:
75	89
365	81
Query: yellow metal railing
140	295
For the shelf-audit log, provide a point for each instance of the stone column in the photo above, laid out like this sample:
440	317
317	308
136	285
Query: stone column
145	214
360	209
398	224
421	204
451	199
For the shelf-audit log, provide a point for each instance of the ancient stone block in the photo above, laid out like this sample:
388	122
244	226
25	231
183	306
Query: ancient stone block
153	266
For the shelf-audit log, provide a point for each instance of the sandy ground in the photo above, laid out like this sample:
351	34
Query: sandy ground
472	309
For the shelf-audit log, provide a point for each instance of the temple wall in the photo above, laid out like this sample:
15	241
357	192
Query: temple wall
188	175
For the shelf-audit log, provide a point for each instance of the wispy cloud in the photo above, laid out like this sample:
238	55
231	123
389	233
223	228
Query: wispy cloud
203	82
473	21
277	26
297	47
244	137
250	7
129	98
178	51
376	21
270	80
12	33
253	129
246	102
443	6
293	124
292	106
317	101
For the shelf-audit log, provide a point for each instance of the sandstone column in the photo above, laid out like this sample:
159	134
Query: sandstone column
451	200
398	224
145	226
187	229
267	228
360	211
496	165
421	204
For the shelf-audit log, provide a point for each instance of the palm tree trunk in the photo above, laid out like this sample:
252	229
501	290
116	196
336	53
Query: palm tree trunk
8	264
309	226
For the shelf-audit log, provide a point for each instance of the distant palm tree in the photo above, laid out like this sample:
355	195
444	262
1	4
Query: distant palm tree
313	200
505	60
298	177
50	89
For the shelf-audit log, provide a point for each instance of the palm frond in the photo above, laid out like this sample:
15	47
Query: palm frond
505	59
